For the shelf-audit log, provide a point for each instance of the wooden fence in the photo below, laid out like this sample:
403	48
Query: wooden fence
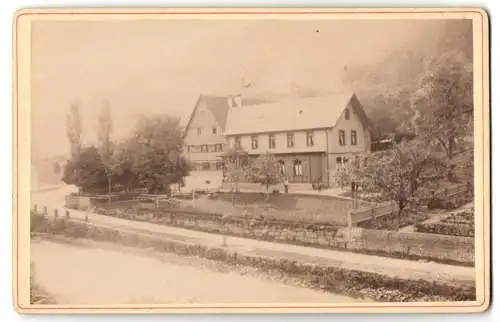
373	211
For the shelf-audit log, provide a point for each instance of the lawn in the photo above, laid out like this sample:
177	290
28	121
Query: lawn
314	209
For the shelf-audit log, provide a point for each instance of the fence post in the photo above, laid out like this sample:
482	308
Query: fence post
349	219
45	211
56	213
35	209
67	213
349	228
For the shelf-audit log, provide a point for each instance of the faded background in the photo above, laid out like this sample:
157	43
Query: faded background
149	67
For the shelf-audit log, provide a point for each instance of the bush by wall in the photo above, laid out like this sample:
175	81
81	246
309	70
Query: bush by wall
451	229
389	222
464	217
332	279
451	198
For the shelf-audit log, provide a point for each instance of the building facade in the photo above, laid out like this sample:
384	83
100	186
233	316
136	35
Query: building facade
204	140
312	138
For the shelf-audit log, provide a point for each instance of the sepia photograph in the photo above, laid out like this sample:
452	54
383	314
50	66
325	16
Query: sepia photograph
251	160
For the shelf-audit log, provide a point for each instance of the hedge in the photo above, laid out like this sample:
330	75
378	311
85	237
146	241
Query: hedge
450	202
466	230
460	218
388	222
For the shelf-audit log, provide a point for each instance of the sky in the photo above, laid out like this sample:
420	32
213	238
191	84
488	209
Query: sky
145	67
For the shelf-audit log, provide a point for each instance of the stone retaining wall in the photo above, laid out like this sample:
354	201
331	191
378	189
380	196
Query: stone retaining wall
414	244
338	280
410	245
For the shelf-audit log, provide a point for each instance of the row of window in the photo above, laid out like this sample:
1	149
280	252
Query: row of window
205	148
290	141
347	117
354	137
198	131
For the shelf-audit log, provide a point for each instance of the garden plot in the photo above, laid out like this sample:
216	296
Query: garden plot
311	209
456	224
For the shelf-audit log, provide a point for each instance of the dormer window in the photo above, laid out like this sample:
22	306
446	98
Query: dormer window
347	114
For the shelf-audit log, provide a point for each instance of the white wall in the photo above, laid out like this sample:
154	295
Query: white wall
353	123
203	119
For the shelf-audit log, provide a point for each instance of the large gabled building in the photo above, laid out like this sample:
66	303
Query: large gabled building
204	138
311	137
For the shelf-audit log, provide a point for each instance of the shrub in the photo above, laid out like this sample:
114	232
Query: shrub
388	222
463	217
466	230
450	202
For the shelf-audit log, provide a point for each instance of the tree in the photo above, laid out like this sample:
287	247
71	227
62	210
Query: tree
105	128
387	87
265	170
74	130
443	103
236	168
123	174
155	153
350	172
401	174
87	171
74	135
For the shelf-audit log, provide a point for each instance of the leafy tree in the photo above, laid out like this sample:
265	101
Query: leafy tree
443	103
235	163
87	171
350	172
123	175
74	131
155	153
387	88
236	168
74	135
105	128
401	174
265	170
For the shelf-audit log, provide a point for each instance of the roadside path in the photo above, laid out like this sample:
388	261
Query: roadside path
387	266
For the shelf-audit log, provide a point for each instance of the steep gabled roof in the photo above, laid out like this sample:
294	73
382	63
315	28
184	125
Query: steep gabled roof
295	114
219	106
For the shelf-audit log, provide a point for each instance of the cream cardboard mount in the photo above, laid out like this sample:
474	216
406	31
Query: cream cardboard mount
251	160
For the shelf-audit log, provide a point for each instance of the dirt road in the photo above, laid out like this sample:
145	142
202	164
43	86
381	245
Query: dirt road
101	273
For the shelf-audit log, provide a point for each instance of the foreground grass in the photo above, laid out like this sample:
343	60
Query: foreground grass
37	294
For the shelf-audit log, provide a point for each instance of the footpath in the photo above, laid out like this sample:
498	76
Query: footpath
392	267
